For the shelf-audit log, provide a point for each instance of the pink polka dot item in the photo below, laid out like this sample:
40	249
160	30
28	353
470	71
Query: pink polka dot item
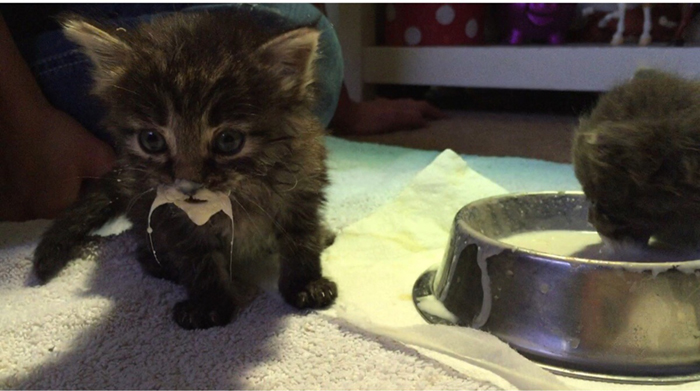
434	24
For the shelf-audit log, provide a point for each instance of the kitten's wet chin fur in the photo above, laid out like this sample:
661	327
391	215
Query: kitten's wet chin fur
213	101
637	156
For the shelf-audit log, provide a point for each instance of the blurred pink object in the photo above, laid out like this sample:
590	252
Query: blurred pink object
547	22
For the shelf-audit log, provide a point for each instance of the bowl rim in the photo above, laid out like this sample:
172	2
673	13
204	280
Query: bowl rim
693	264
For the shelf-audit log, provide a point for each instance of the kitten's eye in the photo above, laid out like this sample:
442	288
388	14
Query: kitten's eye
228	142
152	142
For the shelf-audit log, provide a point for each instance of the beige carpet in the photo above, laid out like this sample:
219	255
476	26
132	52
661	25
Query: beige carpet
488	133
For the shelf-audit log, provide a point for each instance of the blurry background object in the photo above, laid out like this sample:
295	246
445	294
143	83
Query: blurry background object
536	22
434	24
639	23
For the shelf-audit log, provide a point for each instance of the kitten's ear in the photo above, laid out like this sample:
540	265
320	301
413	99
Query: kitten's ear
101	44
291	58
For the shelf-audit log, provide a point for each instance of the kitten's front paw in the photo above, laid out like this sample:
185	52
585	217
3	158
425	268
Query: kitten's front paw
316	294
190	314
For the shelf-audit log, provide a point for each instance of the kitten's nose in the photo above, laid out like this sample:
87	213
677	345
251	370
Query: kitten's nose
188	187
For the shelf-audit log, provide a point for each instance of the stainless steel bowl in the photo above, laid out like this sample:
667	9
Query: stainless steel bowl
603	320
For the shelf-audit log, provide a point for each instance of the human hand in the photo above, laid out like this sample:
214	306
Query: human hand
383	116
44	158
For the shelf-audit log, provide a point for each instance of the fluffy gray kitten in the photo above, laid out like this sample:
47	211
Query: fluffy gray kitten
637	156
214	101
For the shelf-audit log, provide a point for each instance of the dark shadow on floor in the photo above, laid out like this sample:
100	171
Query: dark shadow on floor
136	345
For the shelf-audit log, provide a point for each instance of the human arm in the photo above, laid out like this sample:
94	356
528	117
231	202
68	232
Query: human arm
381	115
44	153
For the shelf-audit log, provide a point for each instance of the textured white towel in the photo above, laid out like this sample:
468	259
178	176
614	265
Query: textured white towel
103	324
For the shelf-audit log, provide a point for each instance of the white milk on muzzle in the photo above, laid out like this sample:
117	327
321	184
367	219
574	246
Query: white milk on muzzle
199	212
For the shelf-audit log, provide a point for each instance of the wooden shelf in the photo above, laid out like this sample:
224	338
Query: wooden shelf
568	68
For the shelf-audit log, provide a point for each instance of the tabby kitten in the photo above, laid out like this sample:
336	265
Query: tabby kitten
212	101
637	156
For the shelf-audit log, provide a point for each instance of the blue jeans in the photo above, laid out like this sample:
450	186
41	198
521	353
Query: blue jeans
63	72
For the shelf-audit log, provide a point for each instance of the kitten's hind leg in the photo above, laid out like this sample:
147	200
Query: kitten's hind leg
327	236
67	236
301	283
212	298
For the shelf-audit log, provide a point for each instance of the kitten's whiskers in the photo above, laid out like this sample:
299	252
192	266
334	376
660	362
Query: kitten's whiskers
230	255
246	212
124	89
135	198
268	215
296	182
